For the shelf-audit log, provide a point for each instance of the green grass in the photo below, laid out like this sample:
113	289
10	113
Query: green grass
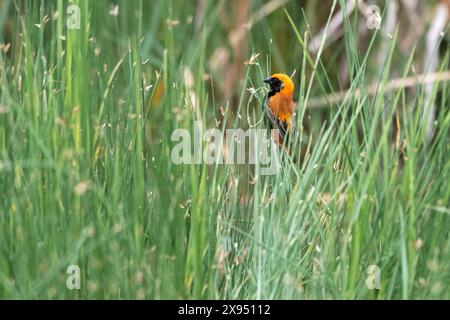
86	175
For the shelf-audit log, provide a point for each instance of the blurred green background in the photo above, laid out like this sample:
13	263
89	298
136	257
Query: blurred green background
87	178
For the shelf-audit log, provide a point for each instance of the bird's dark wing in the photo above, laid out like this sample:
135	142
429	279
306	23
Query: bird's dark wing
276	123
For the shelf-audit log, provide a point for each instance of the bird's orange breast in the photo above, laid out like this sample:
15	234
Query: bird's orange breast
282	106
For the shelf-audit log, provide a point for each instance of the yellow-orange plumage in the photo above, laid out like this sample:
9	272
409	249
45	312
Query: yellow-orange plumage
280	104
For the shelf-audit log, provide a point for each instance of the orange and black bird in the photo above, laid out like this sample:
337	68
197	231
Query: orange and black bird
279	106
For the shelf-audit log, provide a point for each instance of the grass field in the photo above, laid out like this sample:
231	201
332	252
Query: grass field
87	178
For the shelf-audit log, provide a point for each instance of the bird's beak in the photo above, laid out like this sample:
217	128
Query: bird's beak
268	80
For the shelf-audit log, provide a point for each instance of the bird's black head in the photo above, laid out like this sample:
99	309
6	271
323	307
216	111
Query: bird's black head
276	85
